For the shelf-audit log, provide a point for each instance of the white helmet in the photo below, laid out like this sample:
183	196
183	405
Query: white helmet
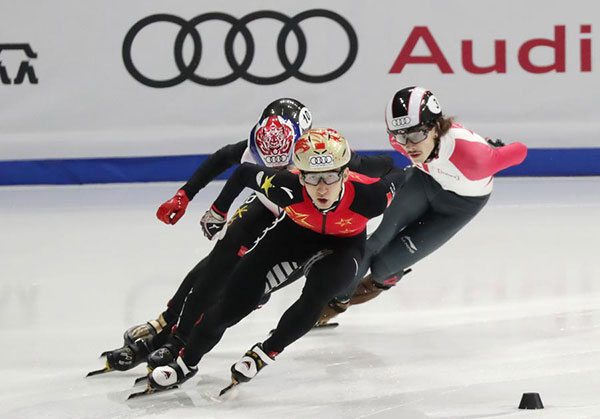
271	140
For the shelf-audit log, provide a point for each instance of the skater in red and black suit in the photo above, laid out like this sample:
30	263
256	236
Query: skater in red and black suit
269	145
322	230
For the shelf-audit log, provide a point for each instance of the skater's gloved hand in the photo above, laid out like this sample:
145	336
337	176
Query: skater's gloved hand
213	224
495	143
171	211
251	363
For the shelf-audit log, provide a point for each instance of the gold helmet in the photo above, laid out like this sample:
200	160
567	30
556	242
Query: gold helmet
321	150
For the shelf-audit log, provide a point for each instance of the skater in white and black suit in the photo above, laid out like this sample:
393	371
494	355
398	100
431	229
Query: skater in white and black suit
449	183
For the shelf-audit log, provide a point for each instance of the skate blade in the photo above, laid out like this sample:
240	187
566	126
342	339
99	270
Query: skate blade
139	380
149	390
143	378
104	370
212	397
229	395
234	383
326	326
317	326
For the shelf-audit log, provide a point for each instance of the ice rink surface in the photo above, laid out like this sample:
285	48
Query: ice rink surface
510	305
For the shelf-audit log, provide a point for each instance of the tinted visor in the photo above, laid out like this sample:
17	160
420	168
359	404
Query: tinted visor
414	135
313	178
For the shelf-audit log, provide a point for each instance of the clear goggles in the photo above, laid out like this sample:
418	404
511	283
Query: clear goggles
313	178
414	135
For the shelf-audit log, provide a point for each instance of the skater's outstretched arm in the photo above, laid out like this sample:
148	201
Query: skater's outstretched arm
213	166
172	210
374	166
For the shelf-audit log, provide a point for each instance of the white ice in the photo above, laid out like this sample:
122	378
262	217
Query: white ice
510	305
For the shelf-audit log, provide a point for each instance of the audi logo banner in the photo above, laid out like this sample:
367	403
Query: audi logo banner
291	67
155	78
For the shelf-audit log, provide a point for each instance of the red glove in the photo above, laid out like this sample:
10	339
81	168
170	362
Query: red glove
171	211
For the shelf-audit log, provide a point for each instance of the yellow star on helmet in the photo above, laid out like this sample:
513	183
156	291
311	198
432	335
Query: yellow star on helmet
267	184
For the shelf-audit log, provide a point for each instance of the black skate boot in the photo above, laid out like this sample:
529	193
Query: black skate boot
164	355
138	342
167	353
146	331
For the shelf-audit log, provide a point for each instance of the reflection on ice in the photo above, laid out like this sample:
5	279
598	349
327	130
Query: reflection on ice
509	306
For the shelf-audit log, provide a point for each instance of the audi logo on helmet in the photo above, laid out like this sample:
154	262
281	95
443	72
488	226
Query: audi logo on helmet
239	68
401	122
276	160
318	162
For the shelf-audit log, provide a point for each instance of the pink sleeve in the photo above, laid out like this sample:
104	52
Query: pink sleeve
478	161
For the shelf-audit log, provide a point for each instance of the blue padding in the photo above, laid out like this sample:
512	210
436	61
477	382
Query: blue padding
543	162
102	170
539	162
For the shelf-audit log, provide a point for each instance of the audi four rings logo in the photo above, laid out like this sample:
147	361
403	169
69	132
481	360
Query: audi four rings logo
240	69
277	159
321	161
401	121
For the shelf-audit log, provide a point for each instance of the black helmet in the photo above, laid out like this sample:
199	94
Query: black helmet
291	109
410	107
272	139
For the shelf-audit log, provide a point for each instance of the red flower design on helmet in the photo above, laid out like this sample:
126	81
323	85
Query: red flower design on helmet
275	136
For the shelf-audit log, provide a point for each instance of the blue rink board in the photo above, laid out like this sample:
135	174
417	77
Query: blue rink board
539	162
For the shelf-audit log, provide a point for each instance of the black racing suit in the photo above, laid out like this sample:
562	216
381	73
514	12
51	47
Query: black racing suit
328	244
418	222
203	284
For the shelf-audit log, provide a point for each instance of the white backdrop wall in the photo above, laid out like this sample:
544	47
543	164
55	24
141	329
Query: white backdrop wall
86	103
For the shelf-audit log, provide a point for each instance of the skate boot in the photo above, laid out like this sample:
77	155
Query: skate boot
366	290
167	377
146	331
138	342
254	360
172	374
164	355
167	353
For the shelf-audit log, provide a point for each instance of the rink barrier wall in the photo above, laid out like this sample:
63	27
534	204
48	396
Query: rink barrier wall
539	162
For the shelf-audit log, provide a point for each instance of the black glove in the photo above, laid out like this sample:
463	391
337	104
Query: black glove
495	143
213	224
